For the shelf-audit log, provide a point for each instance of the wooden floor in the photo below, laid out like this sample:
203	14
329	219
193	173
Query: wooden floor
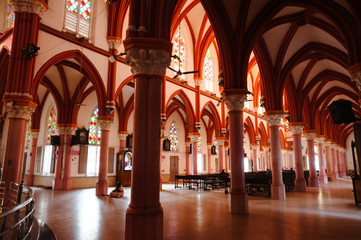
327	212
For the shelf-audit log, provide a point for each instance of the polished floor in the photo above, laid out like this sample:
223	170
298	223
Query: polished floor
328	212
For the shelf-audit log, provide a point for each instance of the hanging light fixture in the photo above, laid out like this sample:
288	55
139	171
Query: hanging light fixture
30	50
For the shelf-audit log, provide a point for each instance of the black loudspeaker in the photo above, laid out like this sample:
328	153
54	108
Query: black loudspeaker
55	140
341	112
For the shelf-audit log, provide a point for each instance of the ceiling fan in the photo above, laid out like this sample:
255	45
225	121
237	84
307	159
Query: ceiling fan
175	56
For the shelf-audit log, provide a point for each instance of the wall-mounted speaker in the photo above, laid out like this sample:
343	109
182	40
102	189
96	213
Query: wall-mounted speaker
341	112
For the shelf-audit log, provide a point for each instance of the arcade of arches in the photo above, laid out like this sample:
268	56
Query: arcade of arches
251	77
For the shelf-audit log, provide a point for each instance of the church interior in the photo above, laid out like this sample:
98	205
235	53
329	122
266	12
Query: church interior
145	92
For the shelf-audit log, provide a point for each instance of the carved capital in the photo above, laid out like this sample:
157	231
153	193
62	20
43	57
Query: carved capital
194	136
34	134
114	43
274	119
296	128
356	78
221	141
209	146
19	111
66	130
105	124
310	135
198	81
266	148
122	136
148	61
235	102
29	6
320	140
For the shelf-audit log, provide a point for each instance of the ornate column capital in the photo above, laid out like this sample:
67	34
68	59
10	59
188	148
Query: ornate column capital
273	118
194	136
296	127
66	130
188	143
114	42
327	142
209	145
235	102
29	6
355	73
220	141
310	134
266	148
198	81
320	139
122	135
105	123
19	111
34	133
149	56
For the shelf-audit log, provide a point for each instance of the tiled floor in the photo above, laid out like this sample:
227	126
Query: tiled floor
326	213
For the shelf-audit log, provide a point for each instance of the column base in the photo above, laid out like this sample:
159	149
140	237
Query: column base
30	180
101	188
300	185
313	182
66	184
56	184
323	179
238	201
278	191
144	223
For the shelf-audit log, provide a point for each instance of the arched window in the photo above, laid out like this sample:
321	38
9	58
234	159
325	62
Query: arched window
179	50
51	124
208	71
77	16
10	15
173	137
28	134
94	129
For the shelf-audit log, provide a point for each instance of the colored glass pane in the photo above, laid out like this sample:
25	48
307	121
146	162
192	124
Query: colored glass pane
10	15
85	7
94	129
28	134
199	144
208	71
72	6
51	124
173	137
179	50
315	148
215	144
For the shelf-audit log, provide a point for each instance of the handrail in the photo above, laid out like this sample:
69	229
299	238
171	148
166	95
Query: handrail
17	221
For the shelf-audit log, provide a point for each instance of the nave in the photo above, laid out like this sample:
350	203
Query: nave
328	212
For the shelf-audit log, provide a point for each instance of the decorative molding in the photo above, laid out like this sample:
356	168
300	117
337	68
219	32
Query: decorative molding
19	111
235	102
197	81
356	78
310	135
29	6
296	129
105	124
34	135
148	61
274	119
209	146
220	142
17	94
320	140
194	136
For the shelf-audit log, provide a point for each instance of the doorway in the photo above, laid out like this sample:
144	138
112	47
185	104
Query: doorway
174	167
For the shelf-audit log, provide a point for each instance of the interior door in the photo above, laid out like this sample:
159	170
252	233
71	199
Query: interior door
174	167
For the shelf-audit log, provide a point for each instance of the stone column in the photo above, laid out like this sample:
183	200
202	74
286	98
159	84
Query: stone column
194	139
284	158
300	183
255	157
327	144
209	156
310	136
238	195
65	132
148	59
220	142
334	161
122	140
18	116
34	144
345	160
339	161
102	184
278	190
188	148
321	159
261	160
268	162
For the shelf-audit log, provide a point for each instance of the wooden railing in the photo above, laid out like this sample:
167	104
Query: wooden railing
17	211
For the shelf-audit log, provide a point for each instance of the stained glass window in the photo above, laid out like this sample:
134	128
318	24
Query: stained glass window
173	137
199	143
215	144
10	15
315	148
179	50
51	124
28	134
77	17
94	129
208	71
